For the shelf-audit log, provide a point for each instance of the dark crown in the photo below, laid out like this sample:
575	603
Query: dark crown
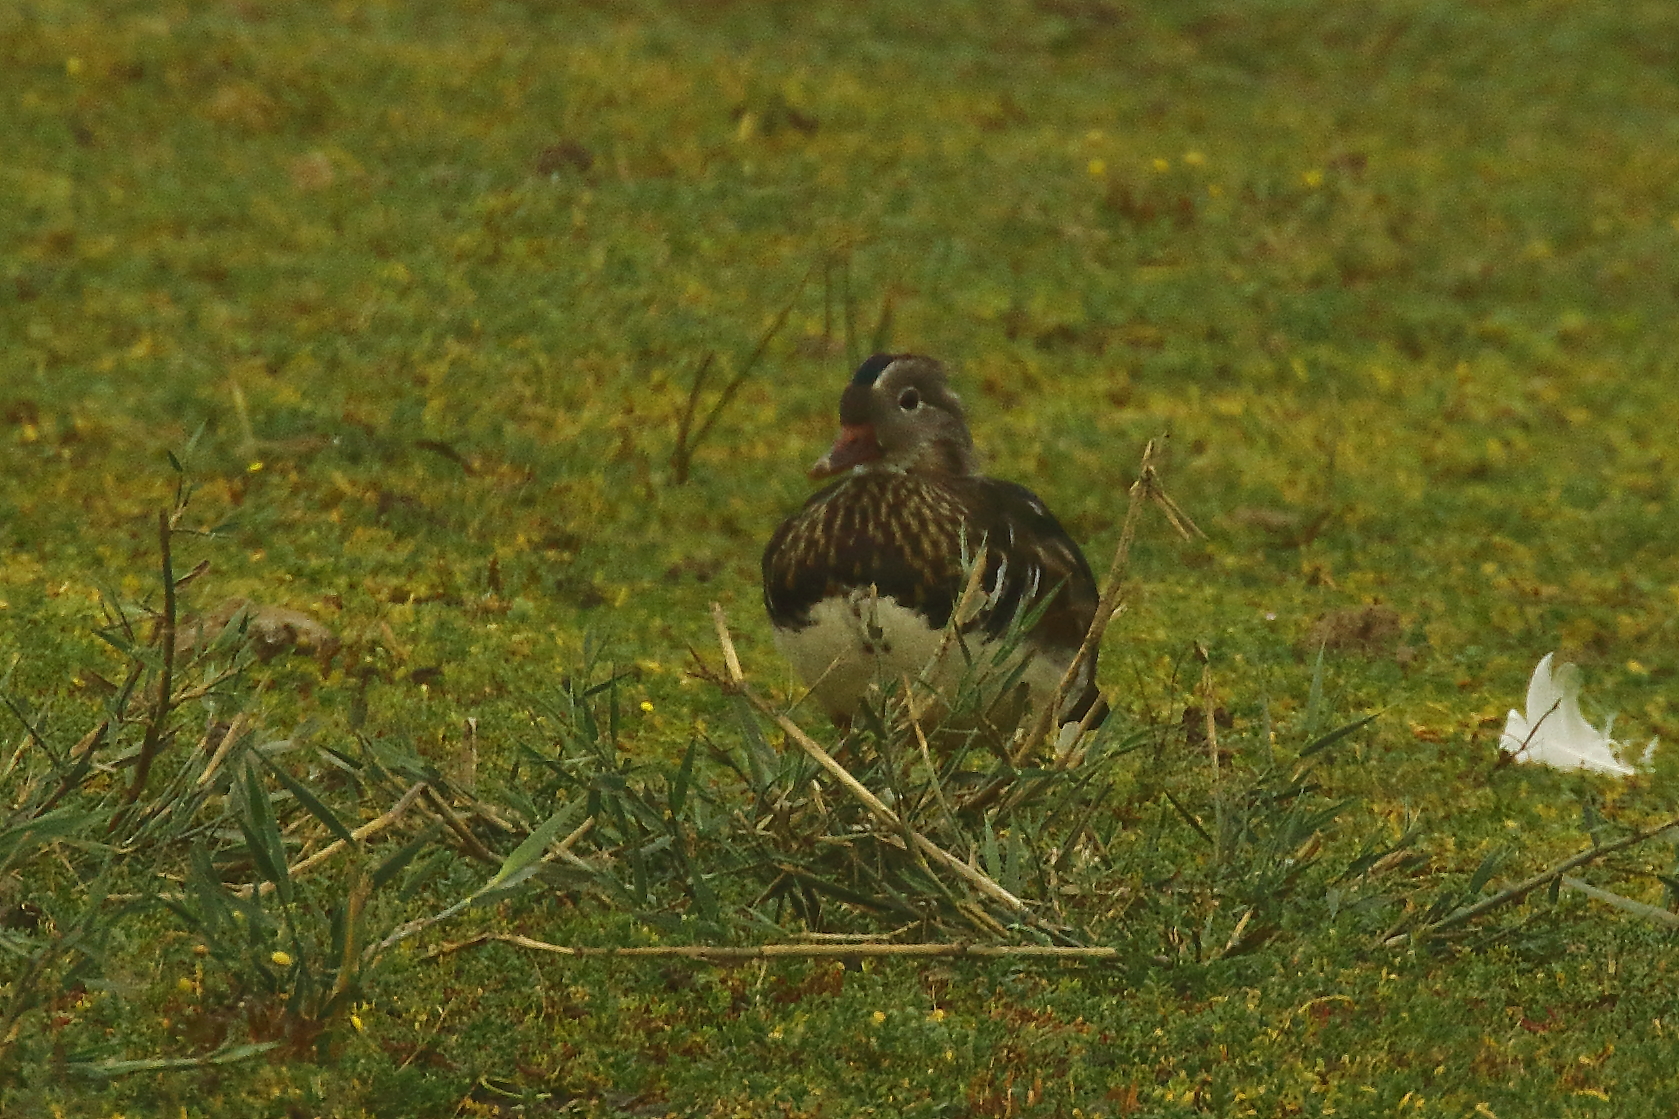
869	372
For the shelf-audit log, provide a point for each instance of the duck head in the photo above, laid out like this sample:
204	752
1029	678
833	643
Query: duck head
898	413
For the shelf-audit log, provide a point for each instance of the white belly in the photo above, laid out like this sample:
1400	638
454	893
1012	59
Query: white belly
860	641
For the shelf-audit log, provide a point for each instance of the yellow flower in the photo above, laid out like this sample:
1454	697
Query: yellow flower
280	959
647	706
938	1014
355	1020
878	1017
1097	168
1162	165
1194	159
1312	179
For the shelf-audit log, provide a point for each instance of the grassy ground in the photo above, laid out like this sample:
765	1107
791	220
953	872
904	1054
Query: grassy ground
415	295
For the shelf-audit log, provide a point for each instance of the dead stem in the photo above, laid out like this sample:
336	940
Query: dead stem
1521	889
688	437
371	828
1147	487
234	731
1651	913
157	726
721	953
469	842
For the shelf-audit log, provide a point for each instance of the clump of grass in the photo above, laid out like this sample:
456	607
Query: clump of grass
144	818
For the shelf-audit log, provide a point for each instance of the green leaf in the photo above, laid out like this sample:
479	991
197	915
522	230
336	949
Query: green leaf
1320	744
162	1064
1314	697
60	822
993	861
535	844
684	774
1014	869
17	944
760	758
313	803
262	835
1483	873
392	866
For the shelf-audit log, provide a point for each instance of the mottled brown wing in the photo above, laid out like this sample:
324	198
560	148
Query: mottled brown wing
900	534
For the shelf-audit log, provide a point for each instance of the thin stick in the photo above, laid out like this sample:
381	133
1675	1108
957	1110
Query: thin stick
1113	590
563	849
81	760
468	841
680	454
371	828
722	953
688	437
1207	707
1527	886
882	813
166	674
752	360
1211	725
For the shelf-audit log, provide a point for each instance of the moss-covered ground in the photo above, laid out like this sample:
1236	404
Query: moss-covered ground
415	294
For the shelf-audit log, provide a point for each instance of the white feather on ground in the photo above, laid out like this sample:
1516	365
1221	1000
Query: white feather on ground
1553	732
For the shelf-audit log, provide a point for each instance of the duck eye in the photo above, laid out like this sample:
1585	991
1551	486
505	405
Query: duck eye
910	400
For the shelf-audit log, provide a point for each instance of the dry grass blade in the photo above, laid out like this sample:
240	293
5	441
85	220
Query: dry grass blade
967	607
731	659
230	738
731	954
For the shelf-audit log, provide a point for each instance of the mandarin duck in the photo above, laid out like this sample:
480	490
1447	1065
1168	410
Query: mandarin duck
861	582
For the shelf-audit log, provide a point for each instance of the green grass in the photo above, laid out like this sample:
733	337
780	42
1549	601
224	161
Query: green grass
416	294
